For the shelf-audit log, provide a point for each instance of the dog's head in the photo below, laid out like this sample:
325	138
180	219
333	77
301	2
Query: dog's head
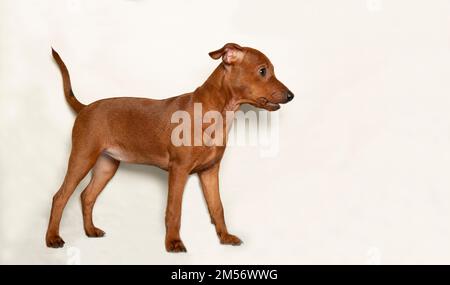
251	75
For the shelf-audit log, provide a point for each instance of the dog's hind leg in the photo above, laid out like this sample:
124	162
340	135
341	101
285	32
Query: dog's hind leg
103	171
80	162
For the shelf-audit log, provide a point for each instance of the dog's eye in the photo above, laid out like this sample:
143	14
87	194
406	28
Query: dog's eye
262	71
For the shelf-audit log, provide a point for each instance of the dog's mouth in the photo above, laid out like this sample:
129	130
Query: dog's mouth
262	102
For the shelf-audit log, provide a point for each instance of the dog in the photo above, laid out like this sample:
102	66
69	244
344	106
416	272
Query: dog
138	130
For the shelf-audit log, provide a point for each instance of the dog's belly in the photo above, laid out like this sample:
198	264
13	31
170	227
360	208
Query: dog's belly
119	154
122	154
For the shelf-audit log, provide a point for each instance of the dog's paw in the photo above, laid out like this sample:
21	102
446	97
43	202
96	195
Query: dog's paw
229	239
54	241
95	233
175	246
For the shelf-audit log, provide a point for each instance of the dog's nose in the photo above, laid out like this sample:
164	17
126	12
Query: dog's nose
289	95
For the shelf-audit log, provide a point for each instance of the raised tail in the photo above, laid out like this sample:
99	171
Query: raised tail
68	93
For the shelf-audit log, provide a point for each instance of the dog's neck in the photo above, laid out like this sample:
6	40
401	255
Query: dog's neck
217	93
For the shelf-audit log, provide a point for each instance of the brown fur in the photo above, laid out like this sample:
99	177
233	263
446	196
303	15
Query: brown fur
138	130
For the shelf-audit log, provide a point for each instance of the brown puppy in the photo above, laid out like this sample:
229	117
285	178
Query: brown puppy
138	130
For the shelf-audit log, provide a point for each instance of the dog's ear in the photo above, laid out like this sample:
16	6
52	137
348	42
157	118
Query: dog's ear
230	53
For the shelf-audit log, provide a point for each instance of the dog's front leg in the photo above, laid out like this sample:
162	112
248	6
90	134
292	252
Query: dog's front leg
177	180
210	185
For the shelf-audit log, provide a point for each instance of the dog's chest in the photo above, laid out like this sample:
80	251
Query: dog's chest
208	156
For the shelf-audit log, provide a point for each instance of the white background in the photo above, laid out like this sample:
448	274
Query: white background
362	175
